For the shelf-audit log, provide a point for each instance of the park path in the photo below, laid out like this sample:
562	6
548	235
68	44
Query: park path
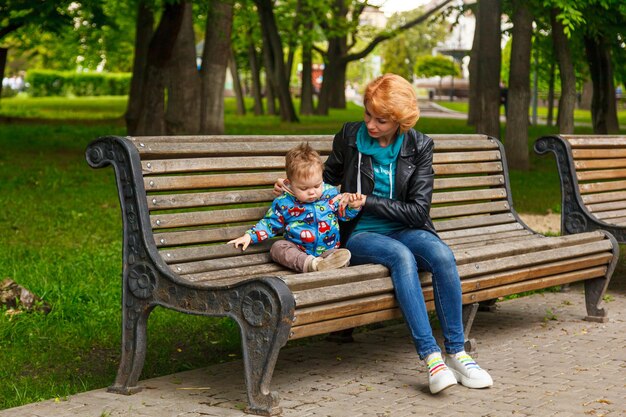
546	362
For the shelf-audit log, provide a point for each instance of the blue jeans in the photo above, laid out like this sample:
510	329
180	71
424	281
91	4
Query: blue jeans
404	253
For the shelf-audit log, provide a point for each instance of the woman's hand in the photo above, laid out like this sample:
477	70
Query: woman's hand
242	241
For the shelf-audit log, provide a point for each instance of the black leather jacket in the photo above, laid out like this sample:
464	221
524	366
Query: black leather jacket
413	181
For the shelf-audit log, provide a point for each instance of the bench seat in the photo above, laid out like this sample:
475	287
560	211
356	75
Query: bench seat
182	198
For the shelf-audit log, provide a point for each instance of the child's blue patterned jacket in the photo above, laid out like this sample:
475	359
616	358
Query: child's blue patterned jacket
314	227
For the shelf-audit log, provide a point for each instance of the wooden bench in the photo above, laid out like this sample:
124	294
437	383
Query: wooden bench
592	169
182	198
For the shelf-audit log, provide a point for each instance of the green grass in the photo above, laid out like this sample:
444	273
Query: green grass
61	238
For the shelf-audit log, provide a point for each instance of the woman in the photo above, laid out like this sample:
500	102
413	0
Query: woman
388	165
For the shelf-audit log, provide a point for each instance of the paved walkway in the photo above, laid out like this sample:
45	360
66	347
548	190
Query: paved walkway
545	361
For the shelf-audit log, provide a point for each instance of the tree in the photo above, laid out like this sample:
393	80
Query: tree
341	22
567	102
400	53
488	68
275	62
46	16
215	55
436	66
516	143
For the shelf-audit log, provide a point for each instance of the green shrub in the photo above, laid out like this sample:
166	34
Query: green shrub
44	83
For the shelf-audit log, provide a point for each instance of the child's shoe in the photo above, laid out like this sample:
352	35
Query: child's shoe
337	258
440	376
467	372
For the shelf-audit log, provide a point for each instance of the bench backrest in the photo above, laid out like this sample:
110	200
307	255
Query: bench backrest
600	164
204	191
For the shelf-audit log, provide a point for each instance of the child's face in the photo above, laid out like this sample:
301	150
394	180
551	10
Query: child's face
307	189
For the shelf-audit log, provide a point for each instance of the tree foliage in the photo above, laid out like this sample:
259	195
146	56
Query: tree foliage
400	53
436	66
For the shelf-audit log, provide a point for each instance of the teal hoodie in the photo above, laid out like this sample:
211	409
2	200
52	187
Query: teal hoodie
384	166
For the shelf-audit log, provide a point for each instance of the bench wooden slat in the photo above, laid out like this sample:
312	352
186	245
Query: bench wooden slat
474	221
456	157
469	209
340	292
598	153
604	174
327	326
490	236
463	144
199	253
201	218
613	205
596	142
191	237
189	200
170	166
610	214
593	199
532	258
352	274
540	283
239	272
478	231
515	248
477	168
600	163
339	309
192	182
221	149
533	272
469	195
442	184
495	241
602	186
221	263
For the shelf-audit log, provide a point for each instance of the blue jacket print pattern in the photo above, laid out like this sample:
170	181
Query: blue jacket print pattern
314	227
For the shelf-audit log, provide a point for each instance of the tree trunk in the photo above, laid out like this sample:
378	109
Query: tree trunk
516	143
182	116
567	102
269	83
277	71
306	93
232	65
474	82
587	94
333	84
143	33
489	58
151	120
255	73
3	63
550	120
214	63
603	108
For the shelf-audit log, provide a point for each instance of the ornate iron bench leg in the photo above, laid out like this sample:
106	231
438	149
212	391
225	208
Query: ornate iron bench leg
594	291
134	320
265	319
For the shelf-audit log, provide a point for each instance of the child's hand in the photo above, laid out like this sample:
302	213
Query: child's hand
242	241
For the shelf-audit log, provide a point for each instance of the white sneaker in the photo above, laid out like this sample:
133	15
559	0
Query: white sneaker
467	372
440	376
